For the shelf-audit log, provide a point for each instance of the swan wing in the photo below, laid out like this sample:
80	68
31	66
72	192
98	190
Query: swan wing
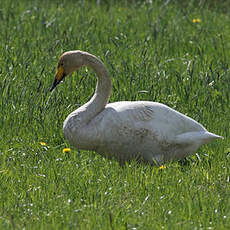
135	111
158	118
143	113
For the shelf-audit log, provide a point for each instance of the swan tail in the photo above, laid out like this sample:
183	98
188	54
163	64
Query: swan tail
203	137
207	137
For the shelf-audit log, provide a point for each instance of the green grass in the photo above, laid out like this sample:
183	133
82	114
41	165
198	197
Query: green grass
146	47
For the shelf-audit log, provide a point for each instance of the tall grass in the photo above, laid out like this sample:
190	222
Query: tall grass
154	52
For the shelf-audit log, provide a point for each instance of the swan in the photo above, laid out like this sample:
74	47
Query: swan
127	130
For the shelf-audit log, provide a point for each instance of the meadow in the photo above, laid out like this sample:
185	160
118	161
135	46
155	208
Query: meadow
173	52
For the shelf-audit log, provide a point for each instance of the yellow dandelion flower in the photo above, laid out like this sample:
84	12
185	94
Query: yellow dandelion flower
162	167
42	143
196	20
66	150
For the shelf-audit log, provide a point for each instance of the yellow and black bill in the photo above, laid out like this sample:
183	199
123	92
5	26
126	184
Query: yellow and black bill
58	78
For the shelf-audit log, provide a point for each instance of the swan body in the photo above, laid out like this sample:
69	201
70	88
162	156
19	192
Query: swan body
127	130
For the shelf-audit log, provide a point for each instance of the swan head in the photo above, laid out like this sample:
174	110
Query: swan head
68	63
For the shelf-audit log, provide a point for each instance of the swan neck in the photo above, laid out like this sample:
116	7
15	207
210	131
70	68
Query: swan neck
103	89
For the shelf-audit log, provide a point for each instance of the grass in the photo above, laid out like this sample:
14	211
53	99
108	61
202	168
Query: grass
153	51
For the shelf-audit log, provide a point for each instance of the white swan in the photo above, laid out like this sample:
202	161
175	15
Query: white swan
128	129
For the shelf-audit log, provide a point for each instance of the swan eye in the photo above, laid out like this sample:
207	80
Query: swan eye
60	64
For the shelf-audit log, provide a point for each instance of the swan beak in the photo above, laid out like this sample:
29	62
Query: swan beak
55	83
58	77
